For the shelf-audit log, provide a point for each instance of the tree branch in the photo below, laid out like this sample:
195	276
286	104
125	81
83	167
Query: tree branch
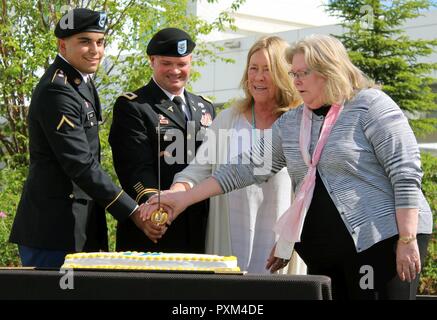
122	14
41	11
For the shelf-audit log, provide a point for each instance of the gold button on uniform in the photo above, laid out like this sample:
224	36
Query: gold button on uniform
71	196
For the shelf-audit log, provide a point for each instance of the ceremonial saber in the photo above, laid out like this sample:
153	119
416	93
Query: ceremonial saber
159	216
159	163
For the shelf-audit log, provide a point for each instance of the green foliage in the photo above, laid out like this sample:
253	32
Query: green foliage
24	49
428	281
11	184
381	49
429	180
106	161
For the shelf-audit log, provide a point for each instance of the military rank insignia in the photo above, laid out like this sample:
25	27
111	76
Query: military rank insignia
129	95
60	74
64	119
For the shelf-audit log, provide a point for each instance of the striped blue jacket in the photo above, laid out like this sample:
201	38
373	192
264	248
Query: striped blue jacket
370	165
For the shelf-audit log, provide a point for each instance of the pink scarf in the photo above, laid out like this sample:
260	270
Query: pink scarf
289	226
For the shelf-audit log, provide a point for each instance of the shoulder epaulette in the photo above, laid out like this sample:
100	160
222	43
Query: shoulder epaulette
59	74
129	95
206	99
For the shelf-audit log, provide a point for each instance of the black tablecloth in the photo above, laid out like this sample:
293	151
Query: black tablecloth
53	284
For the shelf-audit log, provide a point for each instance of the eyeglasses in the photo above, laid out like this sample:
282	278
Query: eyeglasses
300	74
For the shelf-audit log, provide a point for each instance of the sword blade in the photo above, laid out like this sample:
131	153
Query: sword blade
159	165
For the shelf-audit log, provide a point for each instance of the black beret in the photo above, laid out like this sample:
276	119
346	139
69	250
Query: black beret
80	20
170	42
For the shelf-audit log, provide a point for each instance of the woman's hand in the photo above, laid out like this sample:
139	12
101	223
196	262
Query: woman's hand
407	250
407	260
275	263
172	202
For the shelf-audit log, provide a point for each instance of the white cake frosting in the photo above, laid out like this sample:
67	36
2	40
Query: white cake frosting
151	261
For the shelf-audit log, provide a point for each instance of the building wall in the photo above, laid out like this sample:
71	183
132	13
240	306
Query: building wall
220	80
255	17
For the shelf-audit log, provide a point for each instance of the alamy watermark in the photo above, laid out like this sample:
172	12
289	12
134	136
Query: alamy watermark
367	18
67	20
367	281
67	280
251	147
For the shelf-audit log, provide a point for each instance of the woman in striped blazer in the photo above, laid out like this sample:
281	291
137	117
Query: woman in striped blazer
359	215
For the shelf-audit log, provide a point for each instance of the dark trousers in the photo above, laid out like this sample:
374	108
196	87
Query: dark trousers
367	275
41	258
